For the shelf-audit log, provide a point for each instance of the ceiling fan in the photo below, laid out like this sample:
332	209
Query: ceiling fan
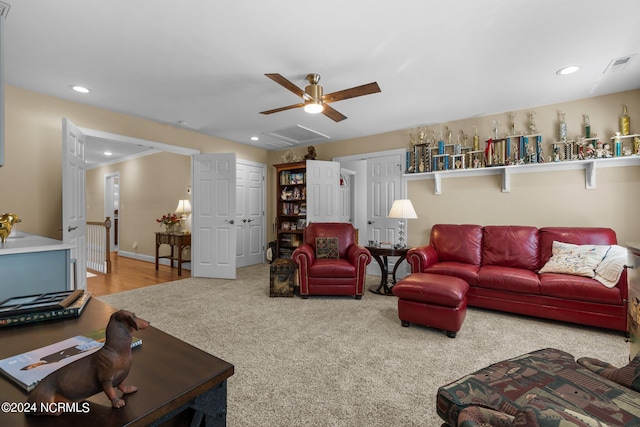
315	101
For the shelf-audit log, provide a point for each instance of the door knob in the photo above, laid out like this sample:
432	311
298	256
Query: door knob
70	229
230	221
244	220
249	220
370	222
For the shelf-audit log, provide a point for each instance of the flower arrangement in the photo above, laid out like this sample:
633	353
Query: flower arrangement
169	220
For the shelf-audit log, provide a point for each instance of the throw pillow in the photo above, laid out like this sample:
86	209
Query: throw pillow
327	247
579	260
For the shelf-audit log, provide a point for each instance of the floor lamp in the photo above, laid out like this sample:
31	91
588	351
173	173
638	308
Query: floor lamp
402	209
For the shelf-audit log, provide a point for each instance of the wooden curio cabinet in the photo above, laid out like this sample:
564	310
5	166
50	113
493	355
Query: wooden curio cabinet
291	207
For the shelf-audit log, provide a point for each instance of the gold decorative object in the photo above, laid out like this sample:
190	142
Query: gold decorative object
624	121
476	139
6	222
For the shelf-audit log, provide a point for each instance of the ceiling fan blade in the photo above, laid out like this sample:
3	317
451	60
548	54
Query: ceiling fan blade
277	110
367	89
334	115
288	85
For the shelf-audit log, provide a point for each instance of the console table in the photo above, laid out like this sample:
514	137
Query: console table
173	377
381	256
177	242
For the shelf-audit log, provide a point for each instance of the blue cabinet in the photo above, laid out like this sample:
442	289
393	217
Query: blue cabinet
32	264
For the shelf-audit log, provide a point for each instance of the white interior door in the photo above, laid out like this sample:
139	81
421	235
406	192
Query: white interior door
214	214
74	221
384	177
323	184
250	207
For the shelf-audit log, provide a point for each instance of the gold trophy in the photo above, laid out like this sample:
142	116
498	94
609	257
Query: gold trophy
625	121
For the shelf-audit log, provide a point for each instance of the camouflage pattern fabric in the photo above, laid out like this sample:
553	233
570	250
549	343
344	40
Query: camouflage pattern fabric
545	388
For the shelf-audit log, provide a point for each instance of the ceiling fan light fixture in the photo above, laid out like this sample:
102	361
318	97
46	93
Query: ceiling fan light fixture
313	107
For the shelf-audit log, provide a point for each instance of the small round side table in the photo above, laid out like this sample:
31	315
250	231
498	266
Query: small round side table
381	255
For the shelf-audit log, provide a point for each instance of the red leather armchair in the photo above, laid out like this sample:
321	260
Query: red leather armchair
344	275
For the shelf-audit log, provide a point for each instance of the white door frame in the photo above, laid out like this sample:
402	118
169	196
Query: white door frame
74	207
358	163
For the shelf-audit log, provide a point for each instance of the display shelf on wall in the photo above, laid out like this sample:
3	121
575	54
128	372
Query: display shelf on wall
590	166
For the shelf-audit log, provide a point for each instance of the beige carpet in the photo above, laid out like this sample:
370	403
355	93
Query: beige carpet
337	361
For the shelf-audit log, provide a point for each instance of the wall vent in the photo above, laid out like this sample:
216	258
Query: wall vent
296	135
618	64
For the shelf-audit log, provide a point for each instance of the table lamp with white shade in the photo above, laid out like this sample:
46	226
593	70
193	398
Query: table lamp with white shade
183	209
402	209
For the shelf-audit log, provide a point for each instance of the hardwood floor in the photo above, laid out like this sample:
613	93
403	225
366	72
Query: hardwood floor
128	273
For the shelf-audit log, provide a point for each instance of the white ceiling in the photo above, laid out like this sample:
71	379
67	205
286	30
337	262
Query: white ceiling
202	62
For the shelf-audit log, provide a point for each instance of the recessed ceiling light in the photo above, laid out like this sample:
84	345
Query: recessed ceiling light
80	89
255	138
568	70
108	153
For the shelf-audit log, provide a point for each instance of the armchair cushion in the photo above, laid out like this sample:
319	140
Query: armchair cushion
327	247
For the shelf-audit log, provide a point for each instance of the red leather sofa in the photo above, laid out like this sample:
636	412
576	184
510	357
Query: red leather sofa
501	263
343	275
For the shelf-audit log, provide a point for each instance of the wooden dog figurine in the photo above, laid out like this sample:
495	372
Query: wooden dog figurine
103	370
6	222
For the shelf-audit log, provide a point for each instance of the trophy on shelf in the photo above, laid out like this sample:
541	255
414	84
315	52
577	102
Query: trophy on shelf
625	121
562	127
532	123
587	126
496	125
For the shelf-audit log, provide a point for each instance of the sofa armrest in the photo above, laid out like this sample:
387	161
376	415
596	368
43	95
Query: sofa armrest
421	258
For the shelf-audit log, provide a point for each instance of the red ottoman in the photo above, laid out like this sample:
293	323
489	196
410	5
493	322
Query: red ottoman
433	300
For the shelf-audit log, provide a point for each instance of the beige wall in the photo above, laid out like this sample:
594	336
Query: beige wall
539	199
32	174
32	171
150	186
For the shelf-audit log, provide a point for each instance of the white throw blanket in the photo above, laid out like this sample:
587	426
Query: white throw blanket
610	268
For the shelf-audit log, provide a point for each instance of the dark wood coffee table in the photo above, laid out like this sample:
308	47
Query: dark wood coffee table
381	255
174	379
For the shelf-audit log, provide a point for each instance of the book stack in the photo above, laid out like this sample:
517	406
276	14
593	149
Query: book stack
30	309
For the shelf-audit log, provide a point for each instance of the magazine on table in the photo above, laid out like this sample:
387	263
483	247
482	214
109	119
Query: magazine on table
28	369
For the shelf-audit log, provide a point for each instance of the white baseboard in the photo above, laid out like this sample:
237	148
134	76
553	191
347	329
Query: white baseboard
152	259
